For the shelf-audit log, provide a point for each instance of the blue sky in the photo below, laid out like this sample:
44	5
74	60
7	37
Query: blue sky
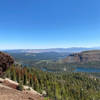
49	23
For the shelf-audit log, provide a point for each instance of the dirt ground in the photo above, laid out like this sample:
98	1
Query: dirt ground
7	93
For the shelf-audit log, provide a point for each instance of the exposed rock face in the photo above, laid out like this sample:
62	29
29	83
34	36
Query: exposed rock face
84	57
5	62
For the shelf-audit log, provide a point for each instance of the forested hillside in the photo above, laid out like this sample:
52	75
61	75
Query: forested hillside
57	86
53	85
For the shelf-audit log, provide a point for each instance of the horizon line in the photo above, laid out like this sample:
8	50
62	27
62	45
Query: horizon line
46	48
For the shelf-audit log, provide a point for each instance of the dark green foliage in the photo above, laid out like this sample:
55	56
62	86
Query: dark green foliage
20	86
58	86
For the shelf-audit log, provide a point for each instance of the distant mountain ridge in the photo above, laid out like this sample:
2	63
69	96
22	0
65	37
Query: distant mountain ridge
69	50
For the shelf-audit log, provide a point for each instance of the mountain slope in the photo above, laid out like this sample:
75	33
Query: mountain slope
7	93
8	88
5	61
84	57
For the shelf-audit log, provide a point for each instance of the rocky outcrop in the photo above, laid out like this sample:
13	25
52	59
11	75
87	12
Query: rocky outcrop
84	57
5	62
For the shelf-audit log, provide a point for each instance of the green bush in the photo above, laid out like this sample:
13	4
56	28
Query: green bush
20	86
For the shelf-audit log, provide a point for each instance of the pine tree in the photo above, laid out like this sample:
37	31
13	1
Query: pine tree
25	77
13	75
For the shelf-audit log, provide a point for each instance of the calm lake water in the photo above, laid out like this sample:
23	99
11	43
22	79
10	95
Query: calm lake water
80	69
46	70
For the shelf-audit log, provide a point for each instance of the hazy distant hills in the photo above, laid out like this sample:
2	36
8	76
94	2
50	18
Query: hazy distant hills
58	58
68	50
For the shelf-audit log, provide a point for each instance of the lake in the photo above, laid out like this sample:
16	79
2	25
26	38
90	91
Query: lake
47	70
81	69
